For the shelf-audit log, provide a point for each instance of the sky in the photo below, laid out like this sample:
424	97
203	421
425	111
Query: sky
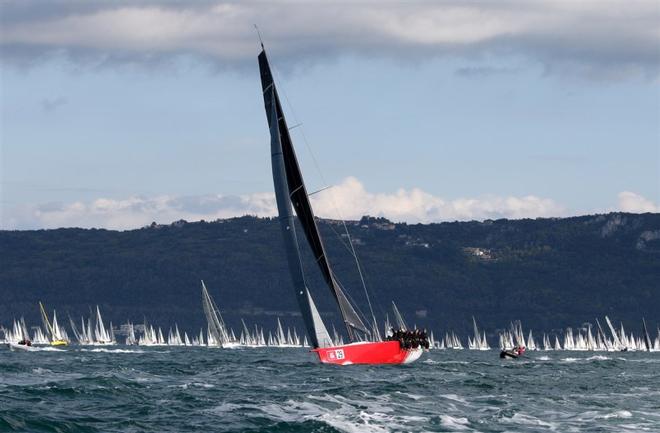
117	114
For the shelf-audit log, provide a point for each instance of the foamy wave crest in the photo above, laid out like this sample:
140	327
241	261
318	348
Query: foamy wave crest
597	358
410	395
454	397
343	414
103	350
591	358
617	414
528	420
454	423
47	349
193	385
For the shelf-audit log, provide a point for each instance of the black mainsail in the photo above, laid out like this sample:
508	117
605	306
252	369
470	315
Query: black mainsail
290	191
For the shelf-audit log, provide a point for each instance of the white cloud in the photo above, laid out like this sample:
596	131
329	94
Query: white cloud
348	200
615	38
635	203
135	212
351	198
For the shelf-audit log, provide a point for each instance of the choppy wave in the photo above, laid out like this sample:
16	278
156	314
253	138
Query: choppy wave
105	350
257	390
454	423
45	349
590	358
617	414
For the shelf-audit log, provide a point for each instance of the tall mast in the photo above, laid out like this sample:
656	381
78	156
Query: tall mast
44	317
291	192
316	330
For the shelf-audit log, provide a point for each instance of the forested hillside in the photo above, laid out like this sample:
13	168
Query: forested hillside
549	273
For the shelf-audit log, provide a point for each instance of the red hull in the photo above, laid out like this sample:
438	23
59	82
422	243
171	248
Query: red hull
381	352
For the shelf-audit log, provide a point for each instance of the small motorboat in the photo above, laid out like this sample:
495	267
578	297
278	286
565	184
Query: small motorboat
514	353
508	354
23	345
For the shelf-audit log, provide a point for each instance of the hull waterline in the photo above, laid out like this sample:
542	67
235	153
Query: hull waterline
382	352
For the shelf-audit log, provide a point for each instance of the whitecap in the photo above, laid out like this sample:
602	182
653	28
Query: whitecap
455	423
597	358
225	408
454	397
344	415
590	358
411	396
524	419
617	414
103	350
192	384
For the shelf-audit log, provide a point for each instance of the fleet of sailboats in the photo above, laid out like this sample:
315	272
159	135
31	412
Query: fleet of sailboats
131	340
151	336
587	339
94	332
478	341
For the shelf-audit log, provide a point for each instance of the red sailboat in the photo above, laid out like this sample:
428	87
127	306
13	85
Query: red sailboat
378	352
291	194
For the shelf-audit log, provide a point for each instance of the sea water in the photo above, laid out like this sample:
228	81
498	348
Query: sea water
169	389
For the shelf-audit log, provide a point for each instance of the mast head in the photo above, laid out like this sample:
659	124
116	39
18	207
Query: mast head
259	36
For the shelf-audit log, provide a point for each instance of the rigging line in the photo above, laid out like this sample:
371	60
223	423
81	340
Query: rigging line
357	262
334	203
295	190
343	243
341	240
318	191
354	254
259	35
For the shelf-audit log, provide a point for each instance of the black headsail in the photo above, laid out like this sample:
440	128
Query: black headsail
297	193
